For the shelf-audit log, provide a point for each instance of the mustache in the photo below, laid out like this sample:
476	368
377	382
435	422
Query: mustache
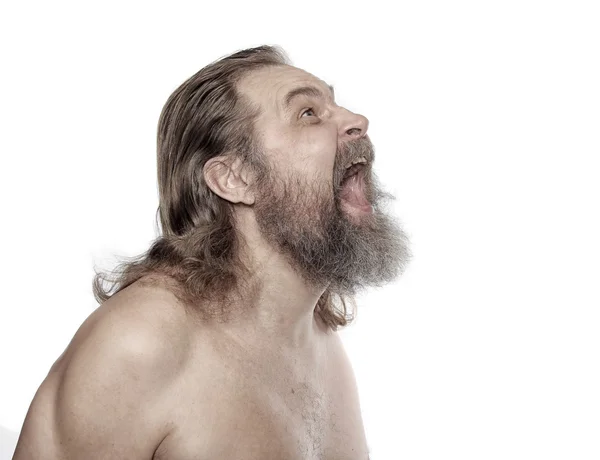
353	150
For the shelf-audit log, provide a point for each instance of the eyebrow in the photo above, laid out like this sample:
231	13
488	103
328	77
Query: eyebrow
311	91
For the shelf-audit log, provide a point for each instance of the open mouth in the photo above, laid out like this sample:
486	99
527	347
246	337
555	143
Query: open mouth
353	189
352	170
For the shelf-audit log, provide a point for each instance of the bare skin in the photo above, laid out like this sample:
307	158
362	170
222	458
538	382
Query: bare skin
144	378
141	381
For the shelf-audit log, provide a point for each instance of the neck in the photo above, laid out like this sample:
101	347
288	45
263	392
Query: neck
281	309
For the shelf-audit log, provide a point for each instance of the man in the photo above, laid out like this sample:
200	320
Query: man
220	342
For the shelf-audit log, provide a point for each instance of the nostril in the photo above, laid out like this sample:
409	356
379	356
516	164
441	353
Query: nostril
353	131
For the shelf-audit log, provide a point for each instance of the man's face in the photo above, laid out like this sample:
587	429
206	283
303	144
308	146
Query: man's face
307	142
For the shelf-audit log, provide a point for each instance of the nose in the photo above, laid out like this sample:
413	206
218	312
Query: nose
353	126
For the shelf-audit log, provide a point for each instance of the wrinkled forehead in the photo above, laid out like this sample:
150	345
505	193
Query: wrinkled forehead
271	87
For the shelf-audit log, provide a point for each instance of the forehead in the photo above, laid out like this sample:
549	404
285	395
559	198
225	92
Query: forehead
269	86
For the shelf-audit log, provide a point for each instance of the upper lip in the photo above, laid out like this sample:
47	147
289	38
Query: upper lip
361	160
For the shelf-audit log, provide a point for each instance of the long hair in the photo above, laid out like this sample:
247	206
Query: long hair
198	251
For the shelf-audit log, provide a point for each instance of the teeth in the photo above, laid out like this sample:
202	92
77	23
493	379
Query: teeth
361	160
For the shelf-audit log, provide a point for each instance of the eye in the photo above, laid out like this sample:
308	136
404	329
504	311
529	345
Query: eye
309	110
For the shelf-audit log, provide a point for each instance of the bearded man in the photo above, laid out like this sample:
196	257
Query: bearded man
220	341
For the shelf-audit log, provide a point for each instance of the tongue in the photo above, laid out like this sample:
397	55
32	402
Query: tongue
353	191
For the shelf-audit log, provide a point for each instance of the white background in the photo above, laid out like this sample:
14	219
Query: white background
485	117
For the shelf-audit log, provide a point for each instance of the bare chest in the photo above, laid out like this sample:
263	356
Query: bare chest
268	410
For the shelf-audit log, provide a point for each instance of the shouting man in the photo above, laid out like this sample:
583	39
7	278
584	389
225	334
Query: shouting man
220	341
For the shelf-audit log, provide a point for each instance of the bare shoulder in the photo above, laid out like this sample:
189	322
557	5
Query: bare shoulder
346	376
144	322
106	396
348	419
340	357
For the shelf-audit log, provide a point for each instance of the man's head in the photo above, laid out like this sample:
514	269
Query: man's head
296	196
250	139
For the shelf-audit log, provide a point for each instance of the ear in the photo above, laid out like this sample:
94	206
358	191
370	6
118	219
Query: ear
225	176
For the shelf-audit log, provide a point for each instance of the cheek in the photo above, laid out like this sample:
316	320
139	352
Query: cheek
313	154
322	152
